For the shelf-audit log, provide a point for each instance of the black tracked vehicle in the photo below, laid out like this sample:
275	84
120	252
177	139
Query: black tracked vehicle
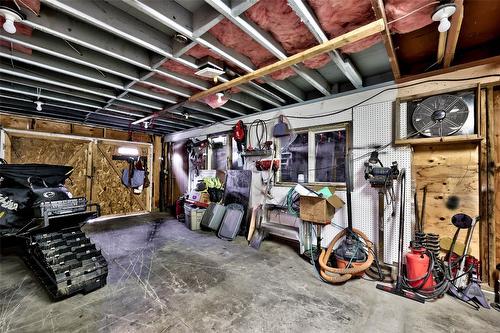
40	218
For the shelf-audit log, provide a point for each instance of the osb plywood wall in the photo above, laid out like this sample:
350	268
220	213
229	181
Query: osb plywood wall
72	153
448	170
108	189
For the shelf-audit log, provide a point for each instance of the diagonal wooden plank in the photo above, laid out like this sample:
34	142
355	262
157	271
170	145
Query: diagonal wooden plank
453	33
378	7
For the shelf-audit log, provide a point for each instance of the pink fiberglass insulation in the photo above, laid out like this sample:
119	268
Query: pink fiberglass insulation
215	101
30	5
340	16
233	37
199	51
286	27
395	9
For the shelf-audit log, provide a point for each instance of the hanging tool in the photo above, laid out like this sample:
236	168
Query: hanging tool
240	134
465	282
398	289
496	305
381	178
355	253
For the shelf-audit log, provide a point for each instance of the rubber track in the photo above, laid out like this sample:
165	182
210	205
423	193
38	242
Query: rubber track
66	262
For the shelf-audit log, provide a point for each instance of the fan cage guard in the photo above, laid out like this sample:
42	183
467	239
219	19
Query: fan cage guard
440	115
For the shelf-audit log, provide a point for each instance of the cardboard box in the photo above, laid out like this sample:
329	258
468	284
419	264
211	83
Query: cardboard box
318	209
204	198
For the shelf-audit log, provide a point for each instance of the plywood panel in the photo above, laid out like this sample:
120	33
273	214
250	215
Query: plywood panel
108	189
38	150
448	170
94	132
52	127
15	122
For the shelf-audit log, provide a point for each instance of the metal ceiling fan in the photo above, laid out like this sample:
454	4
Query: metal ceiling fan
440	115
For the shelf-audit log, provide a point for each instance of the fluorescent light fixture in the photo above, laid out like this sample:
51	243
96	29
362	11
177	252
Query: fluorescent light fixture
128	151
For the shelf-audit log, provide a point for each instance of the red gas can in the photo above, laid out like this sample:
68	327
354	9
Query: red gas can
417	266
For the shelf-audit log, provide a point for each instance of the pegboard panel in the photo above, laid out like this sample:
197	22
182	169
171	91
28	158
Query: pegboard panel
372	128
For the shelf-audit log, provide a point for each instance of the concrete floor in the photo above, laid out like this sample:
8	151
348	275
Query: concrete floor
166	278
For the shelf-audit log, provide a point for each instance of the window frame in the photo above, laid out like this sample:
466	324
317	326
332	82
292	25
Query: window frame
228	150
311	155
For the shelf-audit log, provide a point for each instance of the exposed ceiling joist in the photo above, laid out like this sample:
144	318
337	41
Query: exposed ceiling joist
204	19
306	14
22	82
238	7
53	113
81	34
337	42
441	46
378	7
67	83
111	19
53	64
453	33
47	95
27	104
159	11
58	48
43	94
41	76
268	42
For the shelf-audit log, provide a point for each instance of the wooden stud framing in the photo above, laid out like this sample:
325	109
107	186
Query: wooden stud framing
157	147
49	126
334	43
90	170
378	7
453	33
441	46
483	193
491	164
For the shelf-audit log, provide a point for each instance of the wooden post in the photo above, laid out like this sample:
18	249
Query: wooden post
483	192
491	164
378	8
90	171
453	33
156	171
8	148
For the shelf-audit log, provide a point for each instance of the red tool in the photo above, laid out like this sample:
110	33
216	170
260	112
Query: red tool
418	273
239	134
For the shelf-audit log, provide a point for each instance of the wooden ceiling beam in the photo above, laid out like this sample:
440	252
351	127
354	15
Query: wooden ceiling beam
441	46
334	43
378	7
453	33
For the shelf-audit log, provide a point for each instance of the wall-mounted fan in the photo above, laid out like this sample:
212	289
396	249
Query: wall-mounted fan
440	115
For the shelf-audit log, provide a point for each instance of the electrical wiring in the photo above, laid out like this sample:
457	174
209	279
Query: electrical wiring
413	12
230	123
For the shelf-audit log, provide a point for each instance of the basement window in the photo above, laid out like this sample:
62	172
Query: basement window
219	152
317	155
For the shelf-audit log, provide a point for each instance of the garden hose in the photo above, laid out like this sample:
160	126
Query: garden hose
339	275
